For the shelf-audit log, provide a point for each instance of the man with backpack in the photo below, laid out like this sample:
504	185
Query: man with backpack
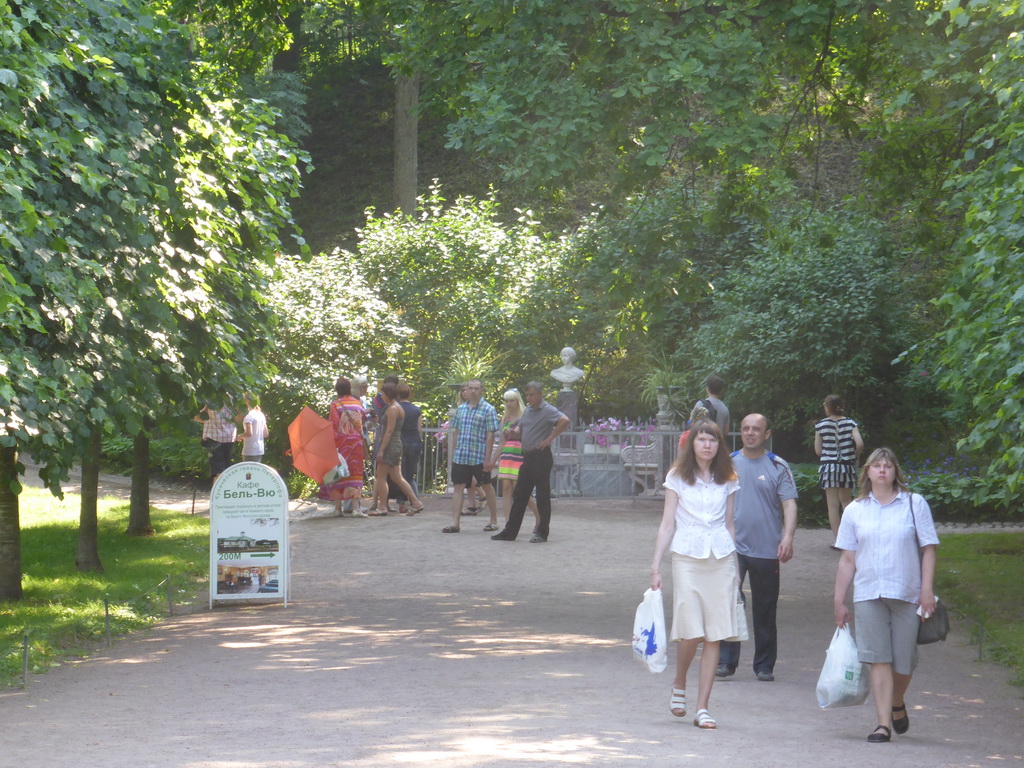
765	520
712	404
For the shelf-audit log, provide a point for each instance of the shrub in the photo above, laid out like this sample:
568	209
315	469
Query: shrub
956	491
171	455
299	485
810	503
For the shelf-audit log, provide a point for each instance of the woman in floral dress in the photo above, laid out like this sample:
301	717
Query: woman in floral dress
347	415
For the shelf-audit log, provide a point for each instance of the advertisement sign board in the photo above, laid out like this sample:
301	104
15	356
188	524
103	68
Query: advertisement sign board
249	534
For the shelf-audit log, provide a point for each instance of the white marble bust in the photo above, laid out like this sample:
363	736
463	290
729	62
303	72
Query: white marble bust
568	373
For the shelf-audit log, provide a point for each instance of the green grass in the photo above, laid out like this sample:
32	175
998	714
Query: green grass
979	575
63	610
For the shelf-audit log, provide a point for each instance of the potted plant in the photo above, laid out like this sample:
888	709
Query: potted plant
659	384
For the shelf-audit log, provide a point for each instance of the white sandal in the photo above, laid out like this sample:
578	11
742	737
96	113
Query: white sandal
704	720
678	702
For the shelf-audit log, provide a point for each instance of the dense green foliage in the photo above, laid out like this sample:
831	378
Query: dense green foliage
454	270
642	85
330	322
143	203
814	307
775	192
63	609
140	207
894	104
982	349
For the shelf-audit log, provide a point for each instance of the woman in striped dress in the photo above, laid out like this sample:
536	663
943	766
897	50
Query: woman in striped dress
510	450
838	443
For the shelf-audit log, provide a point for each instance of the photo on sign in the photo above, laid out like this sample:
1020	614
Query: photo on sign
241	542
247	579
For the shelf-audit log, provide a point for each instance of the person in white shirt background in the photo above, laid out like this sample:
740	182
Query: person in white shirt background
254	430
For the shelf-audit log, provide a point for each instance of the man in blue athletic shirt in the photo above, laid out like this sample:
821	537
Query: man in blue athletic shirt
765	524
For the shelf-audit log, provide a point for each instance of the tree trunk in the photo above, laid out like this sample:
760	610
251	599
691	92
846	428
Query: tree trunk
10	527
139	523
407	91
289	60
88	555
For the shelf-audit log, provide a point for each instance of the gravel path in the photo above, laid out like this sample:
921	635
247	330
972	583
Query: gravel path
403	646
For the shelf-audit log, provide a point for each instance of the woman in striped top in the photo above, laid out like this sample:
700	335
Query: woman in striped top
838	443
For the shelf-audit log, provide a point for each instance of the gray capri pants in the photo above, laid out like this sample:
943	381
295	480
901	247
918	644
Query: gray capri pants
886	633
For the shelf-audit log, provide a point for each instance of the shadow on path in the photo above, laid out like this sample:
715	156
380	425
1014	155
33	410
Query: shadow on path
403	646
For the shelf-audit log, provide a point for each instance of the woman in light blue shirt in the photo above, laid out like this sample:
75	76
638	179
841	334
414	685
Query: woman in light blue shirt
888	541
697	525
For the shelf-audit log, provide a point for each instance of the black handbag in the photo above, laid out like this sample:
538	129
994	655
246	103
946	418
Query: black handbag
936	626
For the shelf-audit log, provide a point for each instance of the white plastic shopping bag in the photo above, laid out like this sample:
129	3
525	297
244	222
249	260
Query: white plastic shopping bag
339	473
649	644
844	681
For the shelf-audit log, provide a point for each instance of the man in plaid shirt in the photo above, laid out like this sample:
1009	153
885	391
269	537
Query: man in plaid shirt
472	430
219	434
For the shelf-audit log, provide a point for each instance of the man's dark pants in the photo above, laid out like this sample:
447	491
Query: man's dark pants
220	457
535	472
764	596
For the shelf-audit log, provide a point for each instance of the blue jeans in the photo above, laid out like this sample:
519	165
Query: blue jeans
764	596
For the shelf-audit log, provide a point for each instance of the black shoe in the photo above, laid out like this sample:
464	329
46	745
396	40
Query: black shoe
538	539
902	725
877	737
502	537
724	670
765	676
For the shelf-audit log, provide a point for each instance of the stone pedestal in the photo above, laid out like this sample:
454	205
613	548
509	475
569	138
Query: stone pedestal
568	402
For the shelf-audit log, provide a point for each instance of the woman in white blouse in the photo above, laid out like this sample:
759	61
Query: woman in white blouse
888	541
697	525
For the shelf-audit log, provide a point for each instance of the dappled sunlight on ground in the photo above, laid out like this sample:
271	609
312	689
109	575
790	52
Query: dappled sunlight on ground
403	647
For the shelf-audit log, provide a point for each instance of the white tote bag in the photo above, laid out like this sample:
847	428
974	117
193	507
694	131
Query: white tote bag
844	681
740	611
649	643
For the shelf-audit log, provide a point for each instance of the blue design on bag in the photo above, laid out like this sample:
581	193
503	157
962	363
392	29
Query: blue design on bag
652	643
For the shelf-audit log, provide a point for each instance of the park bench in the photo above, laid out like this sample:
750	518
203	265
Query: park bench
644	467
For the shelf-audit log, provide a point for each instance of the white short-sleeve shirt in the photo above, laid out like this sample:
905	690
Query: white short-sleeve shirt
700	517
253	445
888	554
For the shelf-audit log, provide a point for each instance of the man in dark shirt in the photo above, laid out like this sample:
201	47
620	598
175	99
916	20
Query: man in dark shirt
541	424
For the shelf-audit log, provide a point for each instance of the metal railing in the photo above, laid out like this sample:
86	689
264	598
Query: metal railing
606	464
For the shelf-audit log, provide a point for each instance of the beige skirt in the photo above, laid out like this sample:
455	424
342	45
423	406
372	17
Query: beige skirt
704	598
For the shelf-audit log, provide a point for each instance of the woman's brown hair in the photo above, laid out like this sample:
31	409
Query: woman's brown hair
834	406
721	465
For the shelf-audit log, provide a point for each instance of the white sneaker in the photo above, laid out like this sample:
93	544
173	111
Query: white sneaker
358	513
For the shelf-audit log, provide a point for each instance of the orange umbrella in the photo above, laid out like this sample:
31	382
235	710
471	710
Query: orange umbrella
312	439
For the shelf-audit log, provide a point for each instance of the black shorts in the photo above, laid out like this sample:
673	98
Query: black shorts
463	474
